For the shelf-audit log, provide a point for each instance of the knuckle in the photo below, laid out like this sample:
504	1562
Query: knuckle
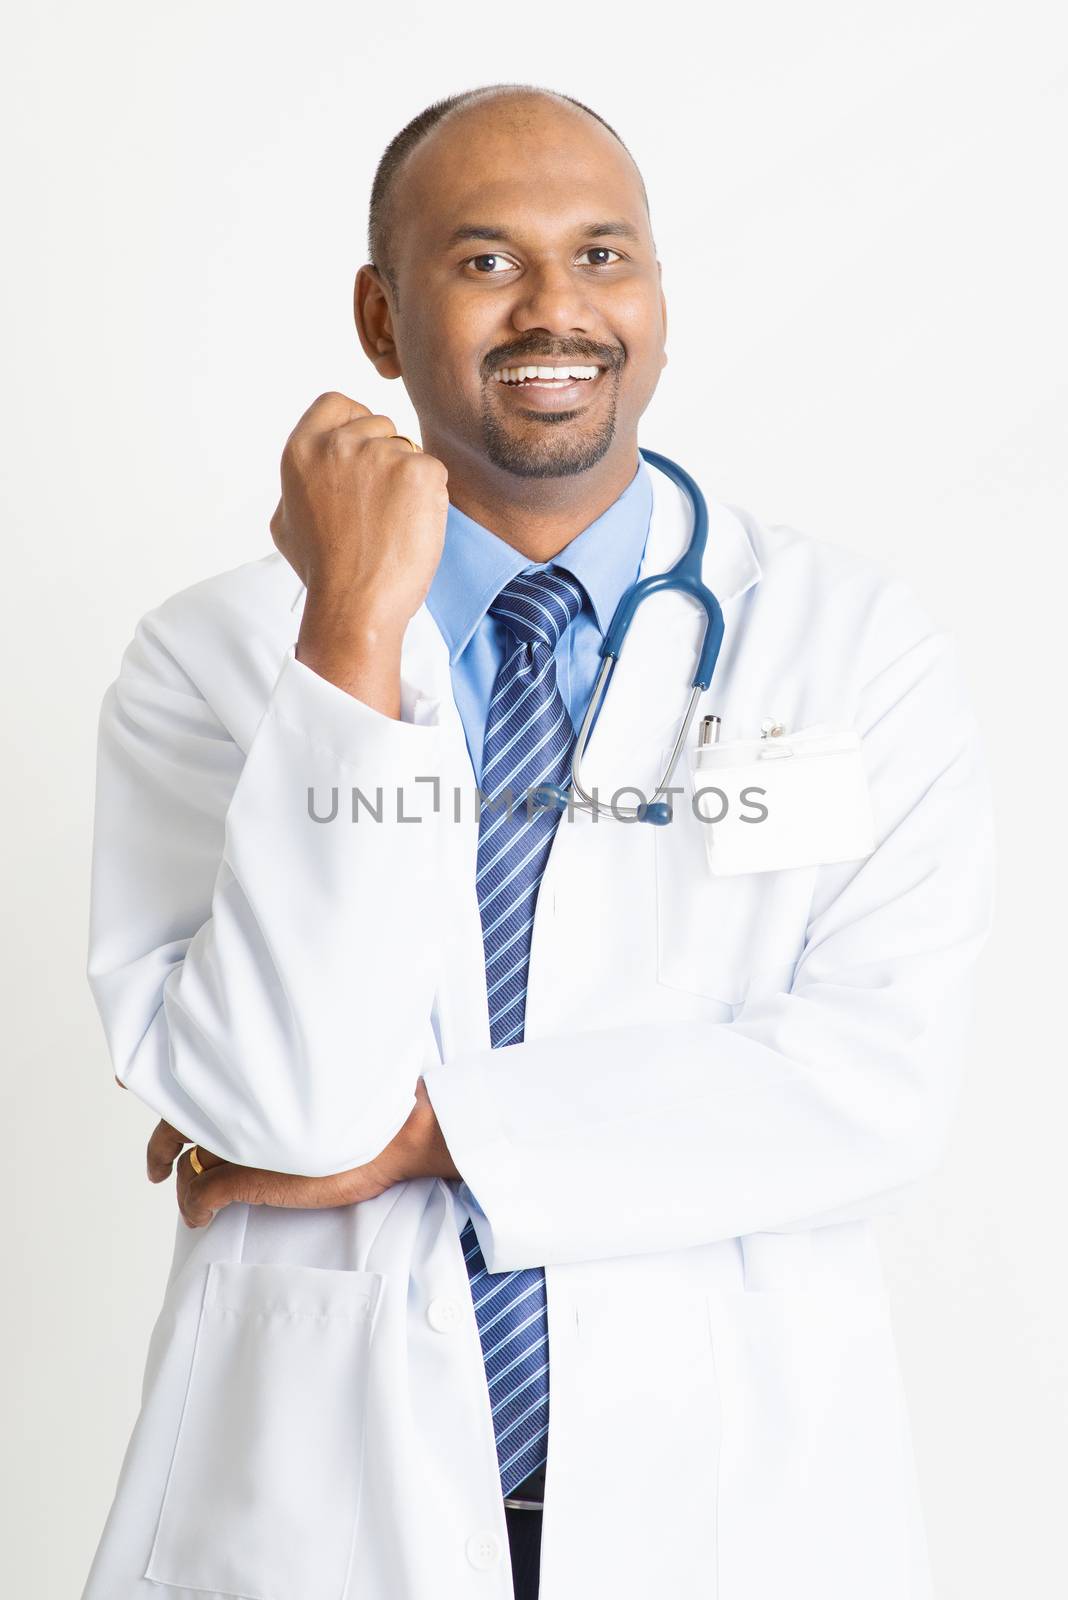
429	466
332	403
339	442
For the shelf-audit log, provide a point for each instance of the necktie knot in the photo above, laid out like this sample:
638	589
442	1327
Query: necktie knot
539	604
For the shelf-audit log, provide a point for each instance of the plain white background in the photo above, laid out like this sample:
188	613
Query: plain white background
858	211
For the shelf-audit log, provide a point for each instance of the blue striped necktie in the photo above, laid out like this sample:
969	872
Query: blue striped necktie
529	739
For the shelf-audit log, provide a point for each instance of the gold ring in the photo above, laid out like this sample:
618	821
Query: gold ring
406	439
194	1160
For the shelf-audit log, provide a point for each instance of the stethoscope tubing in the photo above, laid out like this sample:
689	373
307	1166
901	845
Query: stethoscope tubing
684	575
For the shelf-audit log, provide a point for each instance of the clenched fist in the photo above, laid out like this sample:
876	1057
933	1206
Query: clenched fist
362	523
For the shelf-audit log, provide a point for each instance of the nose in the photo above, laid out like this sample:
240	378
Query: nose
552	297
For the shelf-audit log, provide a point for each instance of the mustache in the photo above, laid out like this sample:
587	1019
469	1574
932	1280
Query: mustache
581	355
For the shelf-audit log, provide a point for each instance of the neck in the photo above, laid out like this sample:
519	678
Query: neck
536	516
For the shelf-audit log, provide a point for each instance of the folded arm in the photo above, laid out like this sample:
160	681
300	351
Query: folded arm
417	1150
262	981
810	1105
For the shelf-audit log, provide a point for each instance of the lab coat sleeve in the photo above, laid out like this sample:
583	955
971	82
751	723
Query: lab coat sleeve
261	978
822	1103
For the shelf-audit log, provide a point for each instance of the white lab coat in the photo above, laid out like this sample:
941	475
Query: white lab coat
721	1082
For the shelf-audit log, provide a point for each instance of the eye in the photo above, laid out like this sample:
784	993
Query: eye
496	260
491	272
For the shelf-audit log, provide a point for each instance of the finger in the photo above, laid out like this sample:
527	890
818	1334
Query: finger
202	1194
164	1147
329	411
374	426
219	1184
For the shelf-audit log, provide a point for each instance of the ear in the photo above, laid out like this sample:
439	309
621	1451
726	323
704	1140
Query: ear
373	312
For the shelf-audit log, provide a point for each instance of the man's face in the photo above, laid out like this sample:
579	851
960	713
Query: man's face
522	239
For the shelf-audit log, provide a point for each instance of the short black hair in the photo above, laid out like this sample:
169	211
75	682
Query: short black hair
379	223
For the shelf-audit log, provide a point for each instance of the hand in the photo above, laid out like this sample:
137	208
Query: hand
418	1150
362	515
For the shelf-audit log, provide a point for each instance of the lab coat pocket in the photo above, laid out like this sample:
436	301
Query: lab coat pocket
264	1485
725	938
799	800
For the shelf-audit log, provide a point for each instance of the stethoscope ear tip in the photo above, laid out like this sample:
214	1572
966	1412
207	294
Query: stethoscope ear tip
658	812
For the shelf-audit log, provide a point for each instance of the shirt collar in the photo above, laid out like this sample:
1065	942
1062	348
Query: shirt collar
476	564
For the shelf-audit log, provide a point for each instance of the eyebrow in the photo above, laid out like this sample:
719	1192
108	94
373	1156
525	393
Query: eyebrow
590	230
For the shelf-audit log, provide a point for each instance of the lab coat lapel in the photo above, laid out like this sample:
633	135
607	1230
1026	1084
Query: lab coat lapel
461	1006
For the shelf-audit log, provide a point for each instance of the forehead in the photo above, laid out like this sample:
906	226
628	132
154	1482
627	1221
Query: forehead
528	166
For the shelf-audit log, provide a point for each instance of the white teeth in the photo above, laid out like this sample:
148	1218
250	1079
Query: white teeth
557	374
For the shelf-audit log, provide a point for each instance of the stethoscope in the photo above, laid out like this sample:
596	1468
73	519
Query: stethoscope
686	576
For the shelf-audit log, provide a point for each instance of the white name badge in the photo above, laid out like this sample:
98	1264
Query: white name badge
795	800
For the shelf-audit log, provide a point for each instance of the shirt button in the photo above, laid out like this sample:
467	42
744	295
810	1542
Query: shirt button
443	1314
483	1550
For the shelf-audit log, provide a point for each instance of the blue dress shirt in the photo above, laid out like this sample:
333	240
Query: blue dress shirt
475	566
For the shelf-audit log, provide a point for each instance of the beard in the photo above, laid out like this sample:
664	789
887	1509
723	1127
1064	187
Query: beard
550	444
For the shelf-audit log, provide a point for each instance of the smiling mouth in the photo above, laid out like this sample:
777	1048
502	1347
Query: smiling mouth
522	372
578	381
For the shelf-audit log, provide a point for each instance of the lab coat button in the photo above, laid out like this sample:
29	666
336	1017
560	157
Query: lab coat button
483	1550
443	1314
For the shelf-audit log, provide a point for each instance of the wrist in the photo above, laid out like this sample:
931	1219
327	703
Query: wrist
357	653
355	621
421	1144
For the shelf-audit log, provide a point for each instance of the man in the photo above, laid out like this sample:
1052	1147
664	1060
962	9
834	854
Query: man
539	1160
